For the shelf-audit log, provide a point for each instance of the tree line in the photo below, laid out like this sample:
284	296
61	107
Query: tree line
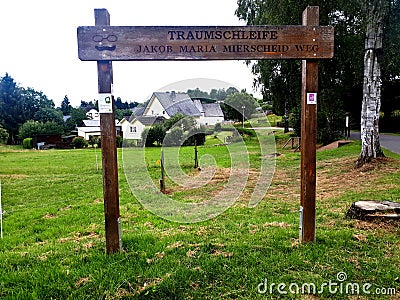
366	35
25	112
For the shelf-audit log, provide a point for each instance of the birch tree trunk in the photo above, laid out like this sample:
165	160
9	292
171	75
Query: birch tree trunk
371	105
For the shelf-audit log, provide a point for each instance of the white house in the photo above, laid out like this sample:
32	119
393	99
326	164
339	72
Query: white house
132	127
211	113
86	132
92	128
91	123
167	104
93	114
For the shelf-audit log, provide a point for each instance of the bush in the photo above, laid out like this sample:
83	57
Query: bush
174	137
246	132
153	135
3	135
119	141
129	143
228	128
218	127
93	140
209	131
79	142
147	141
30	128
27	143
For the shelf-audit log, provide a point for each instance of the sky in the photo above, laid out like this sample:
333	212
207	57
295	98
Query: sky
39	48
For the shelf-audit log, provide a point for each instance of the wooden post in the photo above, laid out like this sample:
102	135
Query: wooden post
162	180
308	136
109	150
196	160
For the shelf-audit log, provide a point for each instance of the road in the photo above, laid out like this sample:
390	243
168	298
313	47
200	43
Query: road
390	142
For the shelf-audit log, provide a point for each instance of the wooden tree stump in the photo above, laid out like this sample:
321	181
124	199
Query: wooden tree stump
370	210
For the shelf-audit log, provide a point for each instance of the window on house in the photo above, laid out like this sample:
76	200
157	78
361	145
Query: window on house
133	128
163	112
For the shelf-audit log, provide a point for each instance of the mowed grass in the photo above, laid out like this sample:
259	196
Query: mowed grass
54	241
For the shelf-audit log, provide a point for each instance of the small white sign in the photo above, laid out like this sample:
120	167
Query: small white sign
311	98
105	103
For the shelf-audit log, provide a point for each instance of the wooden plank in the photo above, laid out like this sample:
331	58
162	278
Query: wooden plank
109	150
308	137
204	42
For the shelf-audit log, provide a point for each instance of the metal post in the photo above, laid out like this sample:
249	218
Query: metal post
109	149
309	136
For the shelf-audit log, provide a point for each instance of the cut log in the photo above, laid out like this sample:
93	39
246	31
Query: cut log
371	210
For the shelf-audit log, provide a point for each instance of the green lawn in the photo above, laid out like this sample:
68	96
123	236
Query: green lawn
54	242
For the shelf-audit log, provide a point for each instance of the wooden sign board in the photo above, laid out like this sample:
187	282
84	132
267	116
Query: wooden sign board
96	43
104	43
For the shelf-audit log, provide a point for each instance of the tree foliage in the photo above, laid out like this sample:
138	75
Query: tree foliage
65	106
79	142
154	134
174	137
237	104
390	71
215	94
341	78
197	93
3	135
18	105
124	105
168	124
31	128
49	115
121	113
76	119
177	130
10	105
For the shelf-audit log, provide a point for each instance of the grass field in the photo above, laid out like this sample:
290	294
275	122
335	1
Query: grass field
54	242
